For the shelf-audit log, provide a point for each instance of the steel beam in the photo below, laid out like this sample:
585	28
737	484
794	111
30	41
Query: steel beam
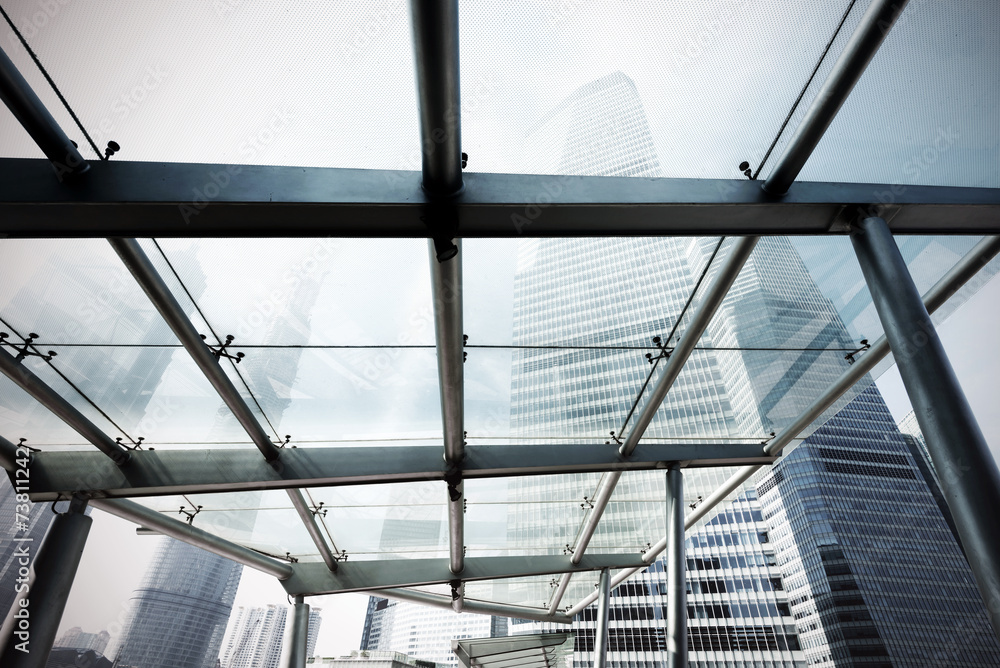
308	518
710	303
966	469
129	199
311	579
31	624
53	475
170	310
950	283
45	395
473	606
294	653
38	122
152	284
601	632
676	632
435	39
184	532
858	52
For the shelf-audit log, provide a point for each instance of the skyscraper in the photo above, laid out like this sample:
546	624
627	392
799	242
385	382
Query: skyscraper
874	573
178	615
771	348
256	637
76	638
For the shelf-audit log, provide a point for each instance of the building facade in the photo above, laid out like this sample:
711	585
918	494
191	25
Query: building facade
256	636
178	615
76	638
419	631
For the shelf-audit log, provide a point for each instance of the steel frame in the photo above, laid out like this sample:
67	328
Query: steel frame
55	475
123	199
311	579
147	199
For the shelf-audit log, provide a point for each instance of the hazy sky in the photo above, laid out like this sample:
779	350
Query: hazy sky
331	84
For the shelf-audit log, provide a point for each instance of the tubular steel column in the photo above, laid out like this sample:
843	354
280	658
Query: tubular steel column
676	634
298	638
967	471
37	121
31	625
601	637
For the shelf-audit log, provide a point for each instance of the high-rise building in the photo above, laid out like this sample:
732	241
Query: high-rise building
419	631
256	637
178	615
774	345
16	538
769	350
874	574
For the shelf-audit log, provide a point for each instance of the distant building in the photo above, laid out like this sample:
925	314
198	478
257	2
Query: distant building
256	637
420	631
179	613
371	659
76	638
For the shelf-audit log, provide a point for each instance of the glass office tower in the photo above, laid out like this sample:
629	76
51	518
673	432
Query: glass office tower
179	614
872	569
756	369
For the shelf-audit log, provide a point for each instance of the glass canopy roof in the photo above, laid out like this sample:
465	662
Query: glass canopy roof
336	337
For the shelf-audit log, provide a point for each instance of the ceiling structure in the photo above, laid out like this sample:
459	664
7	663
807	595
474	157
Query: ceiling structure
326	317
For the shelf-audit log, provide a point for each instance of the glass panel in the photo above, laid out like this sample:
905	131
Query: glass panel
279	73
395	521
882	135
75	291
309	292
263	521
530	591
524	516
663	90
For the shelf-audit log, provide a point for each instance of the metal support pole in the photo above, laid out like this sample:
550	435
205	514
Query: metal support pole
31	625
297	639
37	121
170	310
676	633
192	535
601	635
846	72
967	470
435	42
52	400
